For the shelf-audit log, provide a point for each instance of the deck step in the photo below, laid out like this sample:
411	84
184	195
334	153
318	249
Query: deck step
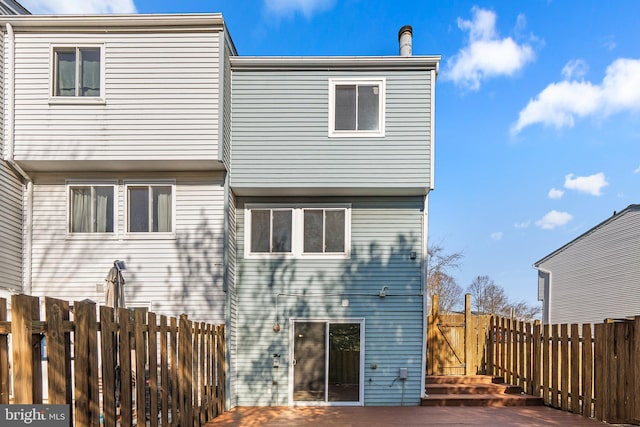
471	388
463	379
474	390
493	400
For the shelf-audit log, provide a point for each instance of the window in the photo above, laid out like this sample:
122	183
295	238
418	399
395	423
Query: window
271	230
150	208
298	231
91	208
356	107
323	230
77	71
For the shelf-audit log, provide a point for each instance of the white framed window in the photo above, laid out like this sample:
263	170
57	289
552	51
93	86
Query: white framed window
298	231
77	73
91	207
150	207
356	107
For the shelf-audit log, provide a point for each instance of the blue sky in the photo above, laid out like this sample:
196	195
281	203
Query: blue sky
537	108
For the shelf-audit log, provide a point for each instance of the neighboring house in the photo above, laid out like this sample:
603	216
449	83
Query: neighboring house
10	191
332	163
595	276
120	124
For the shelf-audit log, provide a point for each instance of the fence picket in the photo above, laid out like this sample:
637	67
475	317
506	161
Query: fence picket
576	365
587	370
4	357
153	369
564	367
108	340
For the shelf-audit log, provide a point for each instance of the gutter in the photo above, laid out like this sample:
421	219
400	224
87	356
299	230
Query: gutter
9	158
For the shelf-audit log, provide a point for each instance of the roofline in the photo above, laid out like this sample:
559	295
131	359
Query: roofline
591	230
335	62
16	7
26	22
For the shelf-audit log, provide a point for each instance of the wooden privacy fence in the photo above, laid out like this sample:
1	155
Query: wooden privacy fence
593	370
456	341
170	372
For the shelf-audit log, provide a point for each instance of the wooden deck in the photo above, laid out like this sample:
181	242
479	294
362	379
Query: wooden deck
409	416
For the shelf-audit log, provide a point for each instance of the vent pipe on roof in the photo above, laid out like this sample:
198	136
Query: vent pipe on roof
405	36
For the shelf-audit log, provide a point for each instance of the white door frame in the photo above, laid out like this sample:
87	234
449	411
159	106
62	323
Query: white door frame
327	321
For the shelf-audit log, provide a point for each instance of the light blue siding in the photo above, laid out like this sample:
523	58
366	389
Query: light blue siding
384	232
281	142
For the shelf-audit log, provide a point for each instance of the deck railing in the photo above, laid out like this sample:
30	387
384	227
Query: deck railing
112	369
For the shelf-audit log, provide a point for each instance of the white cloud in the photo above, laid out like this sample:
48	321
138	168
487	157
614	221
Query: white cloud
576	68
497	235
637	170
523	224
592	184
305	7
555	194
78	6
487	55
553	219
559	104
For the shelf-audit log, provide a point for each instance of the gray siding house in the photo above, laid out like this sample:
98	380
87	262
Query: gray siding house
11	212
331	167
595	276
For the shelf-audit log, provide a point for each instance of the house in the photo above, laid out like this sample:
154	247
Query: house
10	193
120	126
331	168
284	196
596	276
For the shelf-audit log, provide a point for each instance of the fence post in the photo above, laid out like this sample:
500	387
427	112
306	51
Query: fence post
109	346
599	382
587	370
576	364
636	367
58	351
535	360
138	333
491	344
24	374
4	357
545	364
467	334
186	369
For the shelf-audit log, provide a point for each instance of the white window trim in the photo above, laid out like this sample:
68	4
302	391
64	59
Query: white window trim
297	231
69	183
149	235
53	99
381	82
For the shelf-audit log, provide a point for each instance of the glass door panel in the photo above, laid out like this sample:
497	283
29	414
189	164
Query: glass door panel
309	353
344	362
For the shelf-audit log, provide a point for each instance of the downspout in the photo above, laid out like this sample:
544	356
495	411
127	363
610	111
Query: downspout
9	158
423	291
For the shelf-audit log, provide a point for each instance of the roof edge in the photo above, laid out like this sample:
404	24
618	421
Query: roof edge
114	20
613	217
334	62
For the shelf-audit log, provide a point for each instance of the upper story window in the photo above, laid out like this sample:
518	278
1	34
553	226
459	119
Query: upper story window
150	208
91	208
309	231
356	107
77	71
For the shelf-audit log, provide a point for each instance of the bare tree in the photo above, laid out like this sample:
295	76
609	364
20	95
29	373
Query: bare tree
439	278
523	311
487	297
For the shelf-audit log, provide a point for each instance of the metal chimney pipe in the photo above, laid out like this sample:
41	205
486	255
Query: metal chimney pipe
405	37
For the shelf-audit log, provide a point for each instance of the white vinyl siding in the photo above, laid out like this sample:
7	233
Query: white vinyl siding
180	274
160	101
10	229
604	262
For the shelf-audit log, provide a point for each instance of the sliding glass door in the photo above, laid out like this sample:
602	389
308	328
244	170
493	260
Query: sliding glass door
327	362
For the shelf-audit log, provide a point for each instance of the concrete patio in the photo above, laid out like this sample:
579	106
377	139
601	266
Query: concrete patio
398	416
